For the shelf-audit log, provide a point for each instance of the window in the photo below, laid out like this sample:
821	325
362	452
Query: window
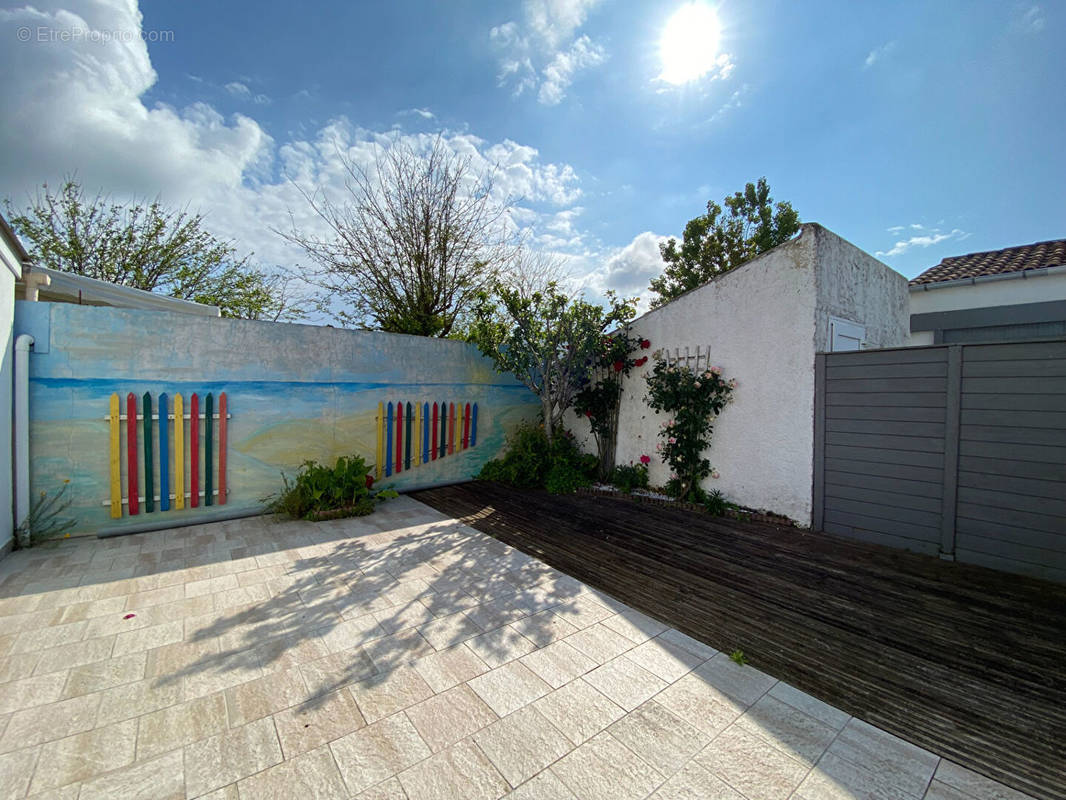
845	335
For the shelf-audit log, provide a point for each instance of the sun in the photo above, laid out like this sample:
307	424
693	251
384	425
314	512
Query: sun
689	44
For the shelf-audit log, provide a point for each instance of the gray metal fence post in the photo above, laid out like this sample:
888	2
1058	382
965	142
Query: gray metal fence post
953	408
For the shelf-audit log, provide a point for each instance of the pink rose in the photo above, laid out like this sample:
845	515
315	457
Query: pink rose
645	460
714	474
716	370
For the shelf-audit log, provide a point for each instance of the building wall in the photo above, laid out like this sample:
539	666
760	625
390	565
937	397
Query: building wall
295	392
8	262
764	322
987	294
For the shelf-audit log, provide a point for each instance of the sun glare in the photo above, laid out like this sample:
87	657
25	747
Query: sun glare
689	45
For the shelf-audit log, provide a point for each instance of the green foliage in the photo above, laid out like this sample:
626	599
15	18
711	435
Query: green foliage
546	339
716	242
44	520
600	396
147	246
738	657
386	494
533	462
716	503
693	399
318	489
628	477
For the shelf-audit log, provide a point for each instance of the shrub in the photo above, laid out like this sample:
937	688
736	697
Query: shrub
628	477
531	459
716	503
321	492
44	520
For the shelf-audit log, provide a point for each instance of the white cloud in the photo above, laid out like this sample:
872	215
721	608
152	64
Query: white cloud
545	50
238	89
1030	18
626	270
734	101
81	110
878	54
931	237
424	113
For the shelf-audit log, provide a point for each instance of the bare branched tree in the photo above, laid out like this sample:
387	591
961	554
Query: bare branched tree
418	236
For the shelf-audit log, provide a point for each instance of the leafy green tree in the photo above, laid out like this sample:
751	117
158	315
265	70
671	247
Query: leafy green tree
721	240
147	246
548	340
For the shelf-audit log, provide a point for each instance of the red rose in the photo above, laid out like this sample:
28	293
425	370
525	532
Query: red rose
369	481
619	366
588	414
644	344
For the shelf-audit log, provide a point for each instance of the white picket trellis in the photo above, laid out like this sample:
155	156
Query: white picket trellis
687	358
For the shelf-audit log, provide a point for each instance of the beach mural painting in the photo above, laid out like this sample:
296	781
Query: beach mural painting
246	402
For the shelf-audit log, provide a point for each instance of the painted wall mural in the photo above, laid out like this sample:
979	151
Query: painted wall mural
280	394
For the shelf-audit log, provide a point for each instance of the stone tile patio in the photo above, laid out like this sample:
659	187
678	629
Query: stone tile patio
402	655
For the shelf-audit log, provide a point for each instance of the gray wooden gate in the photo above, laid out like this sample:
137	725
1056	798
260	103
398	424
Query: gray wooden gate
954	450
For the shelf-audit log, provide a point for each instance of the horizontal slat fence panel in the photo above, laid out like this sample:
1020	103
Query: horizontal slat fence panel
956	449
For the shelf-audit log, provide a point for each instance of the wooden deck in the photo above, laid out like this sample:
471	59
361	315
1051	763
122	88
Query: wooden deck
964	661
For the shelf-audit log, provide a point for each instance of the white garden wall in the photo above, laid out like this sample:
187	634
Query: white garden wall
764	322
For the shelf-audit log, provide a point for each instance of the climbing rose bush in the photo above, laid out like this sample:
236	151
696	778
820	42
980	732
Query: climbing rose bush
693	400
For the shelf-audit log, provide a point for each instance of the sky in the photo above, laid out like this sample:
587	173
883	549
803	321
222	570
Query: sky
915	130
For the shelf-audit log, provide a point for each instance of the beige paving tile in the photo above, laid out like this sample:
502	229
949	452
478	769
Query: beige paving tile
835	778
16	769
162	778
19	666
508	688
634	626
311	775
351	633
685	642
102	675
334	671
522	744
386	790
261	697
148	638
34	691
943	791
450	667
603	769
211	585
447	631
973	784
398	649
665	659
789	729
180	725
45	723
625	683
384	694
751	765
43	638
823	712
742	685
699	704
899	764
545	786
407	615
90	609
73	655
500	646
134	699
172	659
578	711
450	716
462	772
155	597
543	628
227	757
693	782
218	673
377	752
320	719
85	755
288	652
599	643
662	739
558	664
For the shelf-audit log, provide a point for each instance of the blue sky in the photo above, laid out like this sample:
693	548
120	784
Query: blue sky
915	130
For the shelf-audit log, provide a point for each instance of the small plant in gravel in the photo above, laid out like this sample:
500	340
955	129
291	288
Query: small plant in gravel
738	657
693	400
44	520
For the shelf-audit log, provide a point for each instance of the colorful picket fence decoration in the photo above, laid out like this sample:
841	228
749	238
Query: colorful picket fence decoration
410	434
168	427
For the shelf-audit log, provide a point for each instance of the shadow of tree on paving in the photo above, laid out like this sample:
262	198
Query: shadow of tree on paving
366	596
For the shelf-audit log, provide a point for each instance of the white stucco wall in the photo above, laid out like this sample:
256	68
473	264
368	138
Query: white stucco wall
986	294
9	265
764	323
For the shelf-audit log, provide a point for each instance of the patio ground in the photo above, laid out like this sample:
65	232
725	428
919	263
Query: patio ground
402	655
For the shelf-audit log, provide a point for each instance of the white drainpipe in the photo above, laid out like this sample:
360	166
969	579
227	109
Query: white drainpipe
22	427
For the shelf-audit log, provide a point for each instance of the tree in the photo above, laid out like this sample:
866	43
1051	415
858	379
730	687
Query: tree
548	340
716	242
417	238
147	246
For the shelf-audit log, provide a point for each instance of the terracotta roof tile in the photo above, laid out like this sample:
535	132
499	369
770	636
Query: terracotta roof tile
996	262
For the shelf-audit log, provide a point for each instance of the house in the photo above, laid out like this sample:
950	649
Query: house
13	256
1018	293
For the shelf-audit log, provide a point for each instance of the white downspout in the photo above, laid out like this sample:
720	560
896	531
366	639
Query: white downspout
22	427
